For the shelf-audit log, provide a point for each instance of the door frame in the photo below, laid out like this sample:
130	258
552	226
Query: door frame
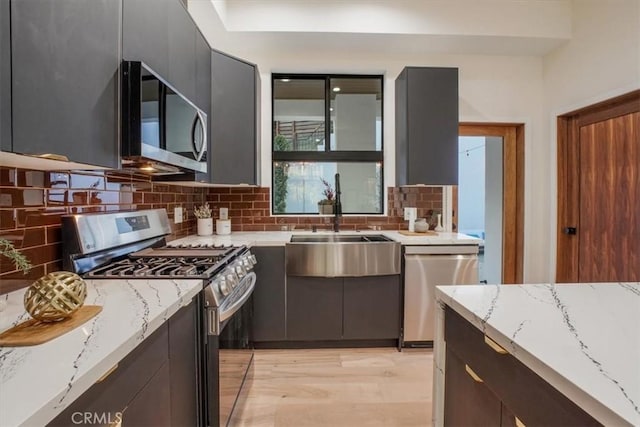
568	130
512	135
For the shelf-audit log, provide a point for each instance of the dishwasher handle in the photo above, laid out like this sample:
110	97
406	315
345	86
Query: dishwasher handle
442	250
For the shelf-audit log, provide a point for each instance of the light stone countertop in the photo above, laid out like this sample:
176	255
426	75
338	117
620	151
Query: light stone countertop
38	382
280	238
583	339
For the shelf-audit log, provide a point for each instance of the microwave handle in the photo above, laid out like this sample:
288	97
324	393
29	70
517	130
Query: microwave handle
199	152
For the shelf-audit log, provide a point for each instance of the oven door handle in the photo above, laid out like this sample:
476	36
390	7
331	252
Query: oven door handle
236	305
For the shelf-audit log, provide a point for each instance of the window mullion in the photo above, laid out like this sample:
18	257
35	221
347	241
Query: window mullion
327	114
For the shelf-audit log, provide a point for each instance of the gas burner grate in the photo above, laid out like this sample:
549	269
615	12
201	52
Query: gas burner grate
201	267
198	246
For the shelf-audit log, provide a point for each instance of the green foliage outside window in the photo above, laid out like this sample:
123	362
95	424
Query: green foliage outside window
280	143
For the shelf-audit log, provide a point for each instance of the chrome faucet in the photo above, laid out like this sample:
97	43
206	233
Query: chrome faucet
337	208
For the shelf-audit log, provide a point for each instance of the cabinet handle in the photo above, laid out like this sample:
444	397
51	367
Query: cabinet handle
51	156
519	423
494	345
472	374
106	374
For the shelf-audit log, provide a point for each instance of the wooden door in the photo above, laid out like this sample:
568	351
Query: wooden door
599	193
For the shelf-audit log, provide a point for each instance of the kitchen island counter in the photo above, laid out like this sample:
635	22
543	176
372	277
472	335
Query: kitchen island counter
582	339
280	238
39	382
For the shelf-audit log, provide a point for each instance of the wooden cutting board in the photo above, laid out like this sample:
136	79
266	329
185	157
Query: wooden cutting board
34	332
414	233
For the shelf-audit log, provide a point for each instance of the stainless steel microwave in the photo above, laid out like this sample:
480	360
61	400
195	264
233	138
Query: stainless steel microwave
162	131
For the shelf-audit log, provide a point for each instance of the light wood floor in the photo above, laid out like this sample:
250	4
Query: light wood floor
338	387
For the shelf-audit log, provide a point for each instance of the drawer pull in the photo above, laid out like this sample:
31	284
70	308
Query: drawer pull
519	423
472	374
494	345
106	374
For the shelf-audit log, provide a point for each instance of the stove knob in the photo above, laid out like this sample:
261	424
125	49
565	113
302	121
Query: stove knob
232	280
253	259
247	264
224	287
240	271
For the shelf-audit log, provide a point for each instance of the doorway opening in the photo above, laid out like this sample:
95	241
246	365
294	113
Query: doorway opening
488	202
480	200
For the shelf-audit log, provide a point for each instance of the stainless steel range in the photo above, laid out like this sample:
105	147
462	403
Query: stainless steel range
132	245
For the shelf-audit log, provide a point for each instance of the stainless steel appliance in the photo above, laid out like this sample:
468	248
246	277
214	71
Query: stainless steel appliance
132	245
342	255
163	133
426	267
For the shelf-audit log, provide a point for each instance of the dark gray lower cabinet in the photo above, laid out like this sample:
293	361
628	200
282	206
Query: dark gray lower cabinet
314	308
468	402
353	308
155	385
65	62
269	295
152	405
484	387
371	307
289	309
109	398
5	76
184	359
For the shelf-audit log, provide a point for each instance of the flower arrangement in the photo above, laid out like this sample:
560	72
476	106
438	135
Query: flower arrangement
328	193
202	211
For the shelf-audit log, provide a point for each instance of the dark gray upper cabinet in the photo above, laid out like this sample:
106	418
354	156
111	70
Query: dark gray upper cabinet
182	50
233	121
269	295
203	91
144	36
203	74
161	34
5	76
65	62
427	126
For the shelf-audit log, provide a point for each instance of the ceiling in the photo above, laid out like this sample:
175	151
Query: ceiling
390	27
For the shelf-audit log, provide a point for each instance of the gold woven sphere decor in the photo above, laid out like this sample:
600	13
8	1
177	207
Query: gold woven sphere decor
55	296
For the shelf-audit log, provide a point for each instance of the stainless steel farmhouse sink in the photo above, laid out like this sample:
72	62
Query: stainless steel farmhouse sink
342	255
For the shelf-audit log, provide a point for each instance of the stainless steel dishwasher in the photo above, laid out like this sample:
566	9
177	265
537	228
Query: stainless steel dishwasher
425	268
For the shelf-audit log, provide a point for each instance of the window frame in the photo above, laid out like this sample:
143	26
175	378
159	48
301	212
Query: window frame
328	155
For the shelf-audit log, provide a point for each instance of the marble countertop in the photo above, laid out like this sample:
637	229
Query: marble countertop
39	382
279	238
583	339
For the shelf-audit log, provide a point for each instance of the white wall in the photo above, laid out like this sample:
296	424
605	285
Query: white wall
601	61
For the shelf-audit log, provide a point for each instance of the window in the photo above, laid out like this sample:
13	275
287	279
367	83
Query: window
325	125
